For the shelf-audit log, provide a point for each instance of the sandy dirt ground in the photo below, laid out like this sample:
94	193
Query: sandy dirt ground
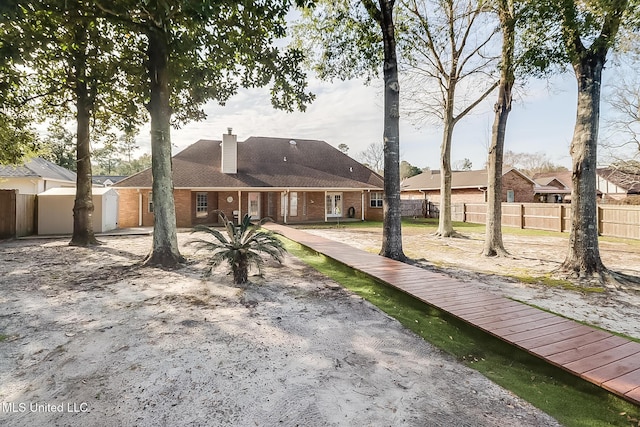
530	256
90	339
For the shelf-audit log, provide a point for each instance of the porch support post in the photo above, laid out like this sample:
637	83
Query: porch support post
325	205
239	207
362	199
286	205
139	208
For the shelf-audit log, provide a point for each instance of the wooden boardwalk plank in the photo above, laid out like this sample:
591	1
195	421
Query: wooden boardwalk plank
523	324
507	311
568	356
604	359
610	372
568	344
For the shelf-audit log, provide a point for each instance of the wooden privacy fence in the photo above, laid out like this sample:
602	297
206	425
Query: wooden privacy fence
17	214
613	220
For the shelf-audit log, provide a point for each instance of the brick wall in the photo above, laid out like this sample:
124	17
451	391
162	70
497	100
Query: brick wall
310	206
128	201
184	208
212	205
522	187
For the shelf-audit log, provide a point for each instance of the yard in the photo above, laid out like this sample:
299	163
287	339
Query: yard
89	338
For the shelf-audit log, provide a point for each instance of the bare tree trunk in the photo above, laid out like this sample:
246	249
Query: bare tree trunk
83	234
445	225
392	224
493	244
165	240
583	257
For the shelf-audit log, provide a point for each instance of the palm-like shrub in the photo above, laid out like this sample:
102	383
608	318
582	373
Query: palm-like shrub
242	247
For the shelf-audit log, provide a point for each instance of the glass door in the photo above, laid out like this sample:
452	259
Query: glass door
254	205
333	204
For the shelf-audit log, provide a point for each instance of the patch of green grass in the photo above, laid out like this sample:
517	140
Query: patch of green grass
551	282
569	399
3	337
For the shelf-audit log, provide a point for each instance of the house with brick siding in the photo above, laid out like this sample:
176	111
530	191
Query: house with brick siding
288	180
468	187
551	187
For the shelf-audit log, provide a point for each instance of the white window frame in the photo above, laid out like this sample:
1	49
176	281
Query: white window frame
511	196
336	208
376	199
202	205
150	203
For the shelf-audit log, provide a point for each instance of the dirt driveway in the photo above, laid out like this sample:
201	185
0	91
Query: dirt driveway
89	339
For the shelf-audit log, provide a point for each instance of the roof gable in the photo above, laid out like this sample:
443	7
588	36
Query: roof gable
547	178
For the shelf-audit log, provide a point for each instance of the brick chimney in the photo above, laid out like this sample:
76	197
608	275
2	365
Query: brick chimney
229	157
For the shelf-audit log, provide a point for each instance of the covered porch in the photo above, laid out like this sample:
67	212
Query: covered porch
286	206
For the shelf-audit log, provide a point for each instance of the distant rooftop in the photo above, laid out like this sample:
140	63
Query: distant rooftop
38	167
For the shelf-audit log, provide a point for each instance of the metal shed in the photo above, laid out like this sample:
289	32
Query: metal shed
55	210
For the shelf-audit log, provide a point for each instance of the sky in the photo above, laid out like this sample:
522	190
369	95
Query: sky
350	112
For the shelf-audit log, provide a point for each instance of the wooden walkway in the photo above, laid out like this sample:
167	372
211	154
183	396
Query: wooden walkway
599	357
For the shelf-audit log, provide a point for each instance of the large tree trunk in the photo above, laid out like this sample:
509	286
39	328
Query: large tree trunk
392	225
83	234
165	240
583	257
493	244
445	226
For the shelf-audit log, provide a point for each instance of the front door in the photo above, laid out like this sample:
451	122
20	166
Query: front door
254	205
333	205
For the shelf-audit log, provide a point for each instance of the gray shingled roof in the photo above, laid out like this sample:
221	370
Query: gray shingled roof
430	180
261	163
563	177
38	167
627	181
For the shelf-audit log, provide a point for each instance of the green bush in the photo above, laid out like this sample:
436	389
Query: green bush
242	247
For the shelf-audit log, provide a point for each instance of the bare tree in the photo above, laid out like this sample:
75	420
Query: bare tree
447	43
531	163
623	125
462	165
373	157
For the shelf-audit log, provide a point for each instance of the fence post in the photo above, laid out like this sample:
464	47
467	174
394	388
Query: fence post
599	219
464	212
521	216
560	212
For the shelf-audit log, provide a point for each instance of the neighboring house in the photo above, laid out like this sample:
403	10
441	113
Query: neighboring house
285	179
468	187
106	180
616	184
35	176
552	187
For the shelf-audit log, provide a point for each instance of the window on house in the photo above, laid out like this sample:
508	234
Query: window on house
511	196
293	203
150	202
375	200
202	205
